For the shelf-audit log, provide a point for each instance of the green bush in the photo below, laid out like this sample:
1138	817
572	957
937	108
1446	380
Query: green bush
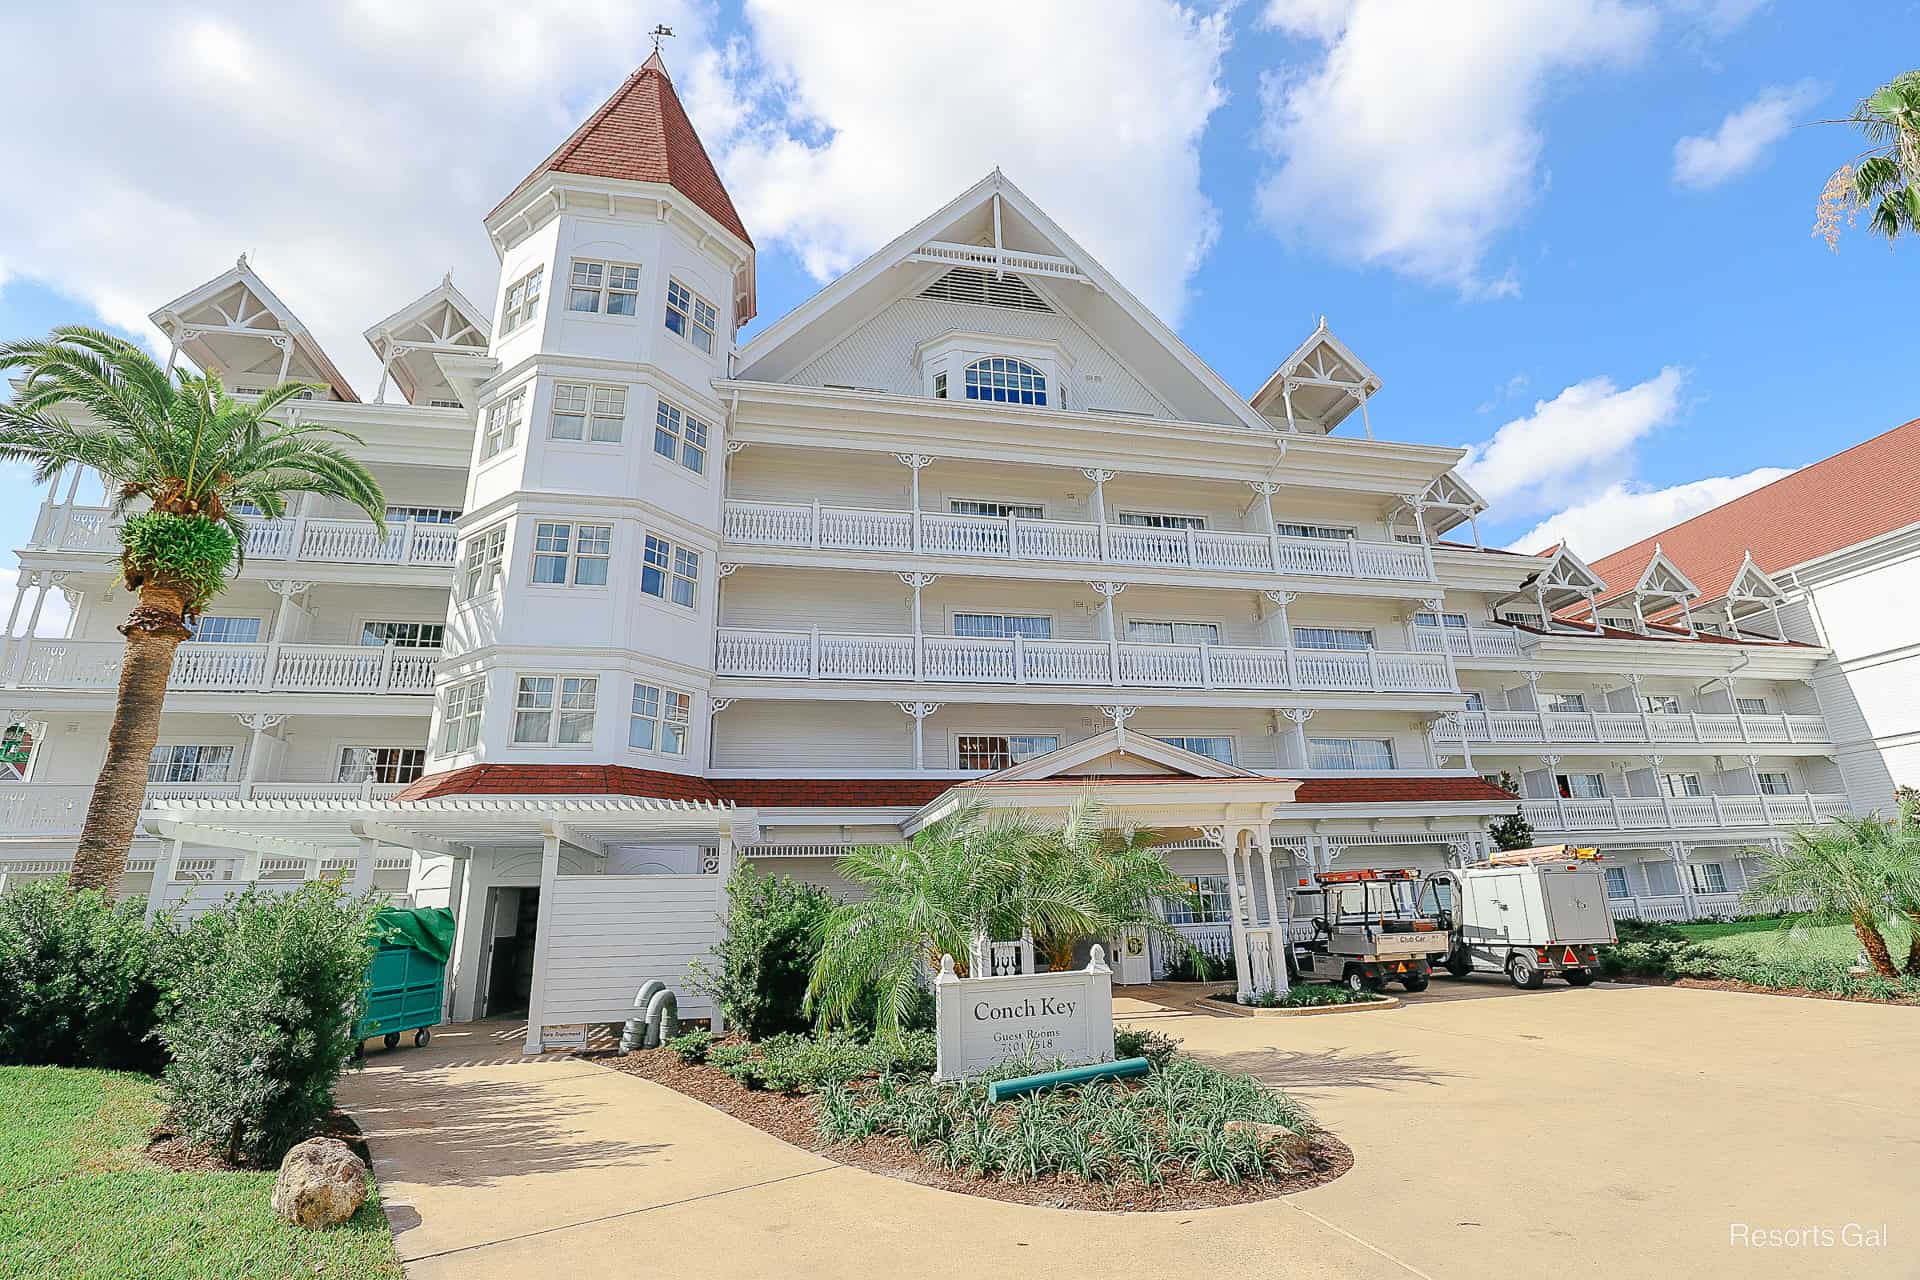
190	552
1306	995
1648	931
759	979
81	980
1157	1047
809	1063
1193	965
269	991
693	1046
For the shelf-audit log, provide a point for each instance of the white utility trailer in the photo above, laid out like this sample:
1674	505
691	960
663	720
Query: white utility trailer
1527	913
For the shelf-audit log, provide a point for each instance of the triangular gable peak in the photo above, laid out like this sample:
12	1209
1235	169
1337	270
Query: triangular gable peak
1752	595
1318	386
1564	583
1663	592
1117	753
1001	266
234	326
1441	507
441	321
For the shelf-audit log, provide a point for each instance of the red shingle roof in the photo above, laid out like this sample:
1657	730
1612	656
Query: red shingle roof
1856	495
642	134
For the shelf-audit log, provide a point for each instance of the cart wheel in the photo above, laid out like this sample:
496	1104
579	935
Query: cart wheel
391	1040
1524	973
421	1037
1578	977
1356	981
1460	963
1415	981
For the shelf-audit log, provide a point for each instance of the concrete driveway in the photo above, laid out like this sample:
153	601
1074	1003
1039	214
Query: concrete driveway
1611	1131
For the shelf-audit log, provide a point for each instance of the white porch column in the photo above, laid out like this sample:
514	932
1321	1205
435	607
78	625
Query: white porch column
1299	716
918	581
285	343
361	881
1277	927
1266	489
1280	600
919	711
1100	478
1109	628
469	947
25	583
1229	838
1552	764
165	868
256	724
543	934
915	463
1683	872
1660	787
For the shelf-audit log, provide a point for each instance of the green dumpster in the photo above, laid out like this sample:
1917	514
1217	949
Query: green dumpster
407	981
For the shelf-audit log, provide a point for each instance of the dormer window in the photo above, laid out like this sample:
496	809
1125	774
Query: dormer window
691	316
1005	380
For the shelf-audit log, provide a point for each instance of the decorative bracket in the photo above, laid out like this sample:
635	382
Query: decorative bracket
718	705
1097	474
919	710
919	580
1299	715
1108	590
913	461
728	567
1281	598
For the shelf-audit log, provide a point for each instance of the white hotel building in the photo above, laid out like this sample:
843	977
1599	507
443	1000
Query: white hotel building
971	521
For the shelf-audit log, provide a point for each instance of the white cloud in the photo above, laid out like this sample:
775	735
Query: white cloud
1743	137
1581	439
1413	142
53	614
882	113
1622	514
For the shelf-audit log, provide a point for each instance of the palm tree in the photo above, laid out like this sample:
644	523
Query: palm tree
971	877
1886	176
1842	871
1902	865
179	442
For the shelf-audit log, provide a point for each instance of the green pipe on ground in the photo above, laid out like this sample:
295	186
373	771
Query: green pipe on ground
1000	1090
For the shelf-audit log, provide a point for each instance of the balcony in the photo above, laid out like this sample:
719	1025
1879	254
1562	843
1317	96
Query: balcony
817	527
35	809
236	668
1468	642
1660	814
818	655
291	538
1608	727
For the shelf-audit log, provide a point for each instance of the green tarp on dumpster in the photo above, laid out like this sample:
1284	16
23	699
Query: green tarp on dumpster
426	929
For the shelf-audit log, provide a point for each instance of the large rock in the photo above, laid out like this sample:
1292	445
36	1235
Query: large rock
1291	1146
321	1184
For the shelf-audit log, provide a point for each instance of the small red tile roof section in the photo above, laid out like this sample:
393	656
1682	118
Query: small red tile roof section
890	793
1856	495
1582	625
642	134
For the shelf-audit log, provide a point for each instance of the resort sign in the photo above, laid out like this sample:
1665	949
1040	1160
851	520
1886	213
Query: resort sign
1058	1017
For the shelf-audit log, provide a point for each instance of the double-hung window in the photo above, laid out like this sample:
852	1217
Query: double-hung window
421	515
670	572
1325	532
1708	877
1660	704
1160	520
681	437
571	554
404	635
1581	786
1617	886
1355	639
501	425
1001	750
691	316
1210	903
554	710
460	718
1349	753
1775	784
1214	747
658	718
1152	631
221	629
1002	626
523	300
484	559
1751	706
993	509
587	411
1452	621
610	287
1565	701
1681	785
381	764
189	763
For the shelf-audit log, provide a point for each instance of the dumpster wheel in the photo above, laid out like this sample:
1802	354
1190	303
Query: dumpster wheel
421	1037
391	1040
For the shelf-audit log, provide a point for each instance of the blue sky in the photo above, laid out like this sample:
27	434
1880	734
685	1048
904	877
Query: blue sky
1490	209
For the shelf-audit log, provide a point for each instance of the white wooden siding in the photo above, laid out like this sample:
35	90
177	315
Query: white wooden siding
609	935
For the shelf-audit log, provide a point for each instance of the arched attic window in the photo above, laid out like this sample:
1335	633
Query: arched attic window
1006	380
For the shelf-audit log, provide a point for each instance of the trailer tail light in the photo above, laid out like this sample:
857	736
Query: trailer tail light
1541	953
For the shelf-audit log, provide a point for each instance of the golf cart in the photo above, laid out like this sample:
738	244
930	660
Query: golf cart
1367	931
1528	913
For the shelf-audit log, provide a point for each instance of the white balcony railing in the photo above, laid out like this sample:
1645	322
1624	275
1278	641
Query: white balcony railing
1663	813
819	655
828	528
235	668
1698	727
35	809
1468	642
309	538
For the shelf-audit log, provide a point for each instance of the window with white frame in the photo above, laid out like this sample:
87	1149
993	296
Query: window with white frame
16	749
1751	706
404	635
1662	880
1553	700
1455	621
1169	631
222	629
658	719
1325	532
1660	704
1352	638
1617	886
1708	877
483	562
500	426
680	437
1160	520
566	554
691	316
381	764
1213	746
1524	617
1209	904
670	572
1775	783
1349	753
460	718
551	711
1005	380
1619	621
587	411
995	510
612	288
940	386
1003	626
1476	701
1681	785
421	515
1581	786
187	762
523	300
1001	750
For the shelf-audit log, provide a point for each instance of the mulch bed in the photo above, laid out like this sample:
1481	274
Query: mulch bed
169	1150
1731	984
791	1119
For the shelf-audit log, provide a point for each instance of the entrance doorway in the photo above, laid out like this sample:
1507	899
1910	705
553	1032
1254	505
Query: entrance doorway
512	917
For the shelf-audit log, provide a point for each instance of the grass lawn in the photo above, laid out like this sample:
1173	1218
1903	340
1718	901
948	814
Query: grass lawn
80	1201
1765	938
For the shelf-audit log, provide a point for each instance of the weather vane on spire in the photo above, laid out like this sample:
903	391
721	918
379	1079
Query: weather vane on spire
660	33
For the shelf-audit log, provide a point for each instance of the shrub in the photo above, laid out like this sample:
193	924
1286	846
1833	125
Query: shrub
807	1064
81	980
759	979
1648	931
1157	1047
1193	965
269	991
1307	995
693	1046
190	552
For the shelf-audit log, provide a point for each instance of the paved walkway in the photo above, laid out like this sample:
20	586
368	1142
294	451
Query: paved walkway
1612	1131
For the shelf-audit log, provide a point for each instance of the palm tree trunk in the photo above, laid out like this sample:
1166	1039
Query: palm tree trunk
1875	947
153	631
1913	944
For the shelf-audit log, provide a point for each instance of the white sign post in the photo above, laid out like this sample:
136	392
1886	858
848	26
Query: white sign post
983	1022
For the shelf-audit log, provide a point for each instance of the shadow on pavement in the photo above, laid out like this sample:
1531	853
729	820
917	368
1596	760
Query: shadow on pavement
1322	1071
